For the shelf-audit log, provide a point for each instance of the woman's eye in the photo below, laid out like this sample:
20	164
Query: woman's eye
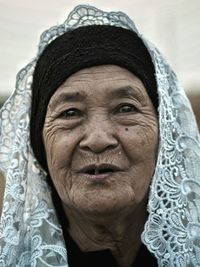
126	108
72	112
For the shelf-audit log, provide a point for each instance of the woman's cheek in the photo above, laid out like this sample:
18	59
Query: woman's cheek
61	146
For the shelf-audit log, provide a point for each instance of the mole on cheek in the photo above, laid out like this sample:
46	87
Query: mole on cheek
126	129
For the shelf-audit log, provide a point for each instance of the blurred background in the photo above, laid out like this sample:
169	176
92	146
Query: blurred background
172	25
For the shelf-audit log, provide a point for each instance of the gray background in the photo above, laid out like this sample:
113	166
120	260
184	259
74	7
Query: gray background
173	25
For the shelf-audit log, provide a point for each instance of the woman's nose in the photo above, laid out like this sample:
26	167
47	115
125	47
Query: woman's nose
99	137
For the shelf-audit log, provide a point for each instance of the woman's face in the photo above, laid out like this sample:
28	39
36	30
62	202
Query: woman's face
101	138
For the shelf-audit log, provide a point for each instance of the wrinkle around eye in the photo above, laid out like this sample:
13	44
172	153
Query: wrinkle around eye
126	108
127	114
71	113
48	135
64	108
56	124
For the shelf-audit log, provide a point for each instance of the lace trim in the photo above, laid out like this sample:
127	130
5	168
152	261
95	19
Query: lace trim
172	230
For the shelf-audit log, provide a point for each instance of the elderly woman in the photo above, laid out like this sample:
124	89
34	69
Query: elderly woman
100	152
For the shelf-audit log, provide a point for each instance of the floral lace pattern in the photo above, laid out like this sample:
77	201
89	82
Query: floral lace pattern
30	234
172	230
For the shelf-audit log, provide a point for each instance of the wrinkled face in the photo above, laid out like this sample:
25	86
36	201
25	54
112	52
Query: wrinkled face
100	136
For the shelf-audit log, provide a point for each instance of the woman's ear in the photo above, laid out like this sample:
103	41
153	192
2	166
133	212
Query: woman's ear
2	188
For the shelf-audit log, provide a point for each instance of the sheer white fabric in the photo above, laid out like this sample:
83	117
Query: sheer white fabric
30	234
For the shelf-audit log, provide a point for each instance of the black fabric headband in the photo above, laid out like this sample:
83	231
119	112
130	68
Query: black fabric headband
81	48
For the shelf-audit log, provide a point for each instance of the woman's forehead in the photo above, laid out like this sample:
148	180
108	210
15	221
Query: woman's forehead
110	80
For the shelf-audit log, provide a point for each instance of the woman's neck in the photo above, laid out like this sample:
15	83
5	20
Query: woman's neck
118	232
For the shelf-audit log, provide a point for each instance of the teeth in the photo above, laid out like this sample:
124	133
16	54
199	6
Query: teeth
99	171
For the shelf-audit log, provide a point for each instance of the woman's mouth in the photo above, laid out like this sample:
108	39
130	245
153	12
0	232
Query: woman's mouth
99	172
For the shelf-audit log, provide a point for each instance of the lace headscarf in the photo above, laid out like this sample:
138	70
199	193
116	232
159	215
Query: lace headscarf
30	234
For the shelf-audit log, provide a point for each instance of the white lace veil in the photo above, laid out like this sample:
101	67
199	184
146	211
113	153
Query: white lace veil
29	231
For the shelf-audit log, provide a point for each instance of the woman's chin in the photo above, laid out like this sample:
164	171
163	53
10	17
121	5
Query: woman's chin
103	203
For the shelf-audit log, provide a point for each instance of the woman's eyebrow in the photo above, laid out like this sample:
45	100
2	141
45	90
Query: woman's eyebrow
67	97
125	91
